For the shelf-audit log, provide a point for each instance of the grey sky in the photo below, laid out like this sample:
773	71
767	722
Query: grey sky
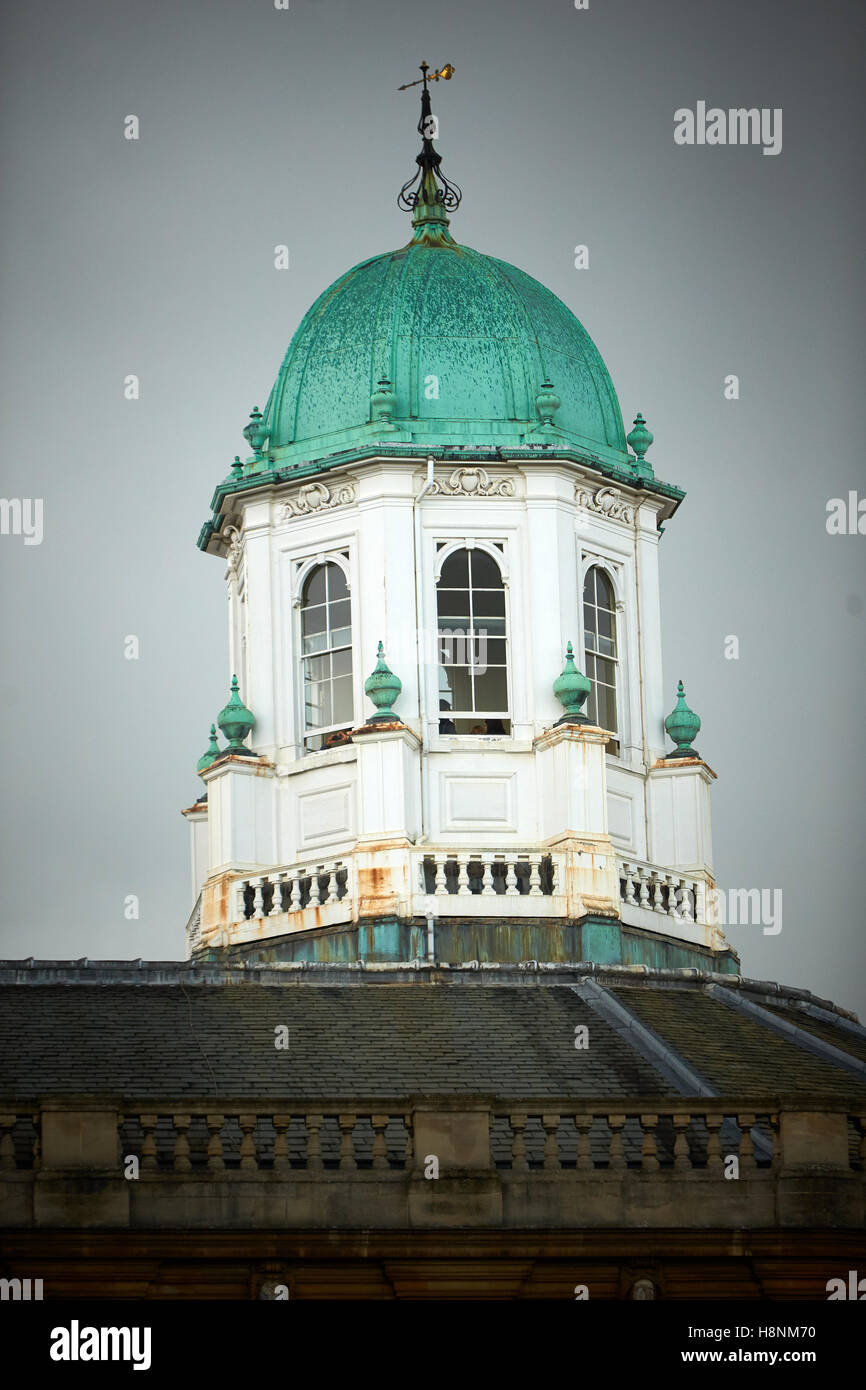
260	127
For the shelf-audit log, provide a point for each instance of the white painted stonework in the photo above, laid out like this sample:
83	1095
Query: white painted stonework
544	796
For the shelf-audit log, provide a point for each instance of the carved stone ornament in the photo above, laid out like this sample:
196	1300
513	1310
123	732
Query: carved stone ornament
317	497
606	501
473	482
235	549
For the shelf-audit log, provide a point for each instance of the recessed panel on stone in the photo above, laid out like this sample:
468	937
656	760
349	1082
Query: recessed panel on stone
325	815
619	818
474	802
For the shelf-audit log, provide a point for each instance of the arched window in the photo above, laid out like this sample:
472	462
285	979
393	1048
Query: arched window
473	660
599	625
326	657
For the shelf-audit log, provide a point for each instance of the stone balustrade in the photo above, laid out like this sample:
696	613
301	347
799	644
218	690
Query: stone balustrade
491	882
294	890
559	1163
646	1140
649	893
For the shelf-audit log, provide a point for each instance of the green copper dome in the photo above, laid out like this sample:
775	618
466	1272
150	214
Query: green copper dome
435	344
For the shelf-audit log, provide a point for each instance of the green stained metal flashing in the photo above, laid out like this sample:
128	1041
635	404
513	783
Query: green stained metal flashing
603	940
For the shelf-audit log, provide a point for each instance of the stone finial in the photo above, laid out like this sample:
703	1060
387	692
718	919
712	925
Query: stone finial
256	432
236	721
383	403
210	755
640	437
682	724
382	688
571	689
547	403
237	468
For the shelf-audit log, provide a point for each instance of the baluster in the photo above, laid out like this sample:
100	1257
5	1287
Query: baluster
519	1161
649	1149
463	873
643	892
535	876
410	1139
380	1151
686	903
511	889
333	887
281	1143
258	901
215	1160
487	889
181	1143
747	1148
616	1155
347	1142
295	898
673	889
583	1124
240	901
440	887
715	1162
701	904
249	1162
315	894
658	900
626	872
554	874
682	1157
314	1144
550	1124
277	904
148	1144
7	1143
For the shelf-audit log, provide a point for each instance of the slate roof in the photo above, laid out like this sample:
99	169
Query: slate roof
170	1030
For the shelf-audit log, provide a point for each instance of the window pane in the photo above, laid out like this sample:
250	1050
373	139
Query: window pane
490	627
342	700
457	687
488	602
314	589
488	651
589	586
318	668
491	690
453	604
485	571
604	589
339	614
590	620
341	637
455	647
336	583
317	704
606	624
341	663
314	619
606	702
455	571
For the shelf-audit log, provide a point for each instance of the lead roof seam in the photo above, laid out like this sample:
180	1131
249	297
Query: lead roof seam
644	1040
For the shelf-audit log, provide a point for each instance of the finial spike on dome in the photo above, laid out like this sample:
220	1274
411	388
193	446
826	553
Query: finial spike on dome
428	195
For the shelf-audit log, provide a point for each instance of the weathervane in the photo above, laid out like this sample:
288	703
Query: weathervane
429	185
